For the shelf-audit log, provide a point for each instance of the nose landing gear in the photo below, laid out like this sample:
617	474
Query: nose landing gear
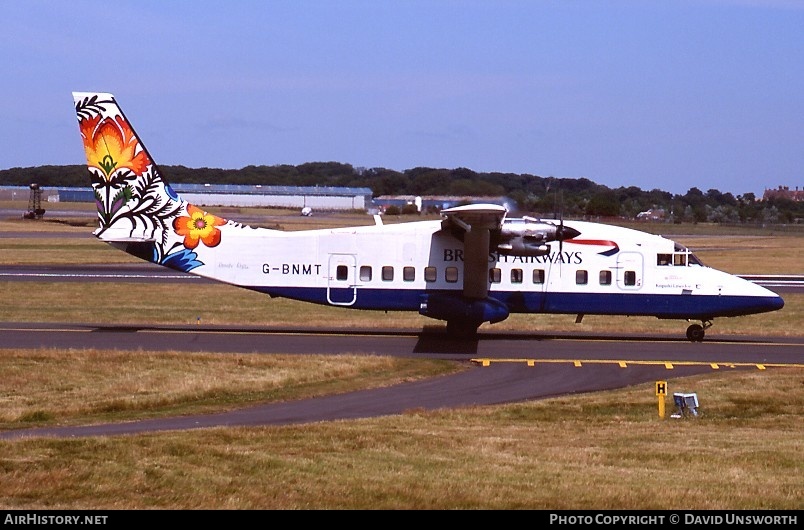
696	332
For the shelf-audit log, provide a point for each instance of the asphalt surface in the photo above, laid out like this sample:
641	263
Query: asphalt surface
501	368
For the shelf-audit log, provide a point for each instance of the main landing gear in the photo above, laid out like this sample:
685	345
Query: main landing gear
696	332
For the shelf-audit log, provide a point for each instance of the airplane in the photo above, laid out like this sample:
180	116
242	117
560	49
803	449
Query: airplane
474	265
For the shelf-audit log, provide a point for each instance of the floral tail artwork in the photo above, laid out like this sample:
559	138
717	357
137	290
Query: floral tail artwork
137	210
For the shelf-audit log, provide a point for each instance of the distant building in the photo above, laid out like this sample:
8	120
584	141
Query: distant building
321	198
784	192
22	193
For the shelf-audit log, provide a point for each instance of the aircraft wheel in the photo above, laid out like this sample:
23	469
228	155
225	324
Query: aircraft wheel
696	333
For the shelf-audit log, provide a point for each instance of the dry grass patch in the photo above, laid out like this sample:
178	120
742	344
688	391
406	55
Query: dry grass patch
67	386
60	251
574	452
750	255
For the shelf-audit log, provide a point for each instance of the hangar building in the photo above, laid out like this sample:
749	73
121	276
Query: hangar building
315	197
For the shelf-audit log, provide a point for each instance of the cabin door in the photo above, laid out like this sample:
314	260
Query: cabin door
342	279
629	271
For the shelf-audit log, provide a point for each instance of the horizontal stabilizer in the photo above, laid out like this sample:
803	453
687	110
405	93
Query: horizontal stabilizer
127	239
122	236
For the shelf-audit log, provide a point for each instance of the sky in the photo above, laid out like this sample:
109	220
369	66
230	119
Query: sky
666	95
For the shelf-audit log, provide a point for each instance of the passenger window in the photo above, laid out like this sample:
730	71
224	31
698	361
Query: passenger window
663	259
342	272
365	273
581	277
680	260
516	275
408	274
451	274
387	273
495	275
538	275
605	277
629	278
430	274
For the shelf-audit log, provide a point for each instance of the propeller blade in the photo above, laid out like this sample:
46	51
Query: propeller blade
561	224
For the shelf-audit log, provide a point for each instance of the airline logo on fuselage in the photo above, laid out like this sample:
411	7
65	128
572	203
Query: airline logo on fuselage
456	254
615	248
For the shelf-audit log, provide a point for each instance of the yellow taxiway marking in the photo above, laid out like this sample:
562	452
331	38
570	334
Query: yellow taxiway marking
624	364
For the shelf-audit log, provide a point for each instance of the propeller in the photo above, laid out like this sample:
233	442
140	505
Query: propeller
560	233
563	232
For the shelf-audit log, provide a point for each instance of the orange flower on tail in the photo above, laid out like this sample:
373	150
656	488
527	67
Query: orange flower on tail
197	226
110	145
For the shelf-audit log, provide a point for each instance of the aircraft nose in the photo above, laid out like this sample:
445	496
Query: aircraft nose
776	303
772	302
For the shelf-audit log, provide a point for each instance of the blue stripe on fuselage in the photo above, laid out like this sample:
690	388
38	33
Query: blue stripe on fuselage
659	305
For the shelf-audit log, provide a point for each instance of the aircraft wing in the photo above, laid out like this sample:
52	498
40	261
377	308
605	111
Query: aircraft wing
476	221
491	215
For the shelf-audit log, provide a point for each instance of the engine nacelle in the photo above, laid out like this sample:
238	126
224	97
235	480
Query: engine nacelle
520	246
528	236
529	227
453	307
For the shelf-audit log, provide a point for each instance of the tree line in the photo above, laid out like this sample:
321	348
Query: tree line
532	194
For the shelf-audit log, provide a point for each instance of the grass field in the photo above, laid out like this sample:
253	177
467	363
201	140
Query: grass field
600	451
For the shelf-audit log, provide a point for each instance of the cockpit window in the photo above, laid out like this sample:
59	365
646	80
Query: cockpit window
695	260
682	257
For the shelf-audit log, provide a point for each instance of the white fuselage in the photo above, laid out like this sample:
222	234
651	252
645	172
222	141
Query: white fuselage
605	270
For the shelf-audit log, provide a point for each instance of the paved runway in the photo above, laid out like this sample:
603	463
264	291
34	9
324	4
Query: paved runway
500	368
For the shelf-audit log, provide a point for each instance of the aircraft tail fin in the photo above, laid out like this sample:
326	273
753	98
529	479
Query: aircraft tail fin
137	208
